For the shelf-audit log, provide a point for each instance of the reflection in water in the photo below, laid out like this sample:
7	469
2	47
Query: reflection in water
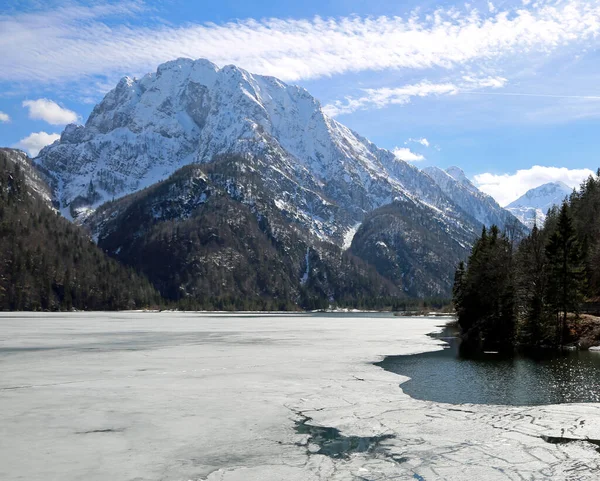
456	375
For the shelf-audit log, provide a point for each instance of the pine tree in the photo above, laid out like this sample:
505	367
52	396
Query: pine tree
458	290
565	285
466	296
531	284
484	292
500	326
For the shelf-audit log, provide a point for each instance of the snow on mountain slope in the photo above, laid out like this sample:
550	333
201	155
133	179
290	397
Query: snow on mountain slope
458	174
323	175
462	192
36	180
535	203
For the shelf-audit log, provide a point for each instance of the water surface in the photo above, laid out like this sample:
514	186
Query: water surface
456	376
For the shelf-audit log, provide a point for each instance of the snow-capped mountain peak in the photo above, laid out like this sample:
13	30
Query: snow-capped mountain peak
458	174
543	197
531	208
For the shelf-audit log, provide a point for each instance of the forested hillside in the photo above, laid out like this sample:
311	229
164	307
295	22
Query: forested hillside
212	237
417	251
524	294
48	263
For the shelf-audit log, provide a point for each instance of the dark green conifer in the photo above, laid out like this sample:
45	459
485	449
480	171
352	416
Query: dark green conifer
566	272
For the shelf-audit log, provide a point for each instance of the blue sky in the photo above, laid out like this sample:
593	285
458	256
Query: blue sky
507	90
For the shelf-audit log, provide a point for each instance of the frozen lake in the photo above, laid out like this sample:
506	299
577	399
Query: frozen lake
172	396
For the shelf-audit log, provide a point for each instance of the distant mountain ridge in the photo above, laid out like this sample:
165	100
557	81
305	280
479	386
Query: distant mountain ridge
455	184
531	208
412	248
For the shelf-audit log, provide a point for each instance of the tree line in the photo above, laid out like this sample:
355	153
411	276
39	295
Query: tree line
522	292
47	263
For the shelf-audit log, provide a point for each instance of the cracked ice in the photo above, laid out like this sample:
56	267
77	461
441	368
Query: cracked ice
184	396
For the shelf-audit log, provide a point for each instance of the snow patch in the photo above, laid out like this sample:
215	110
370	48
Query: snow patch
349	235
304	279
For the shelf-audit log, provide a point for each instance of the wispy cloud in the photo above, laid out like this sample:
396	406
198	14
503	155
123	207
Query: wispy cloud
49	111
423	141
381	97
4	117
76	41
36	141
506	188
404	153
527	94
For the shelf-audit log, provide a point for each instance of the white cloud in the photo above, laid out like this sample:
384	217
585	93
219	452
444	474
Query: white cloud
74	41
36	141
381	97
506	188
4	117
423	141
406	154
485	82
49	111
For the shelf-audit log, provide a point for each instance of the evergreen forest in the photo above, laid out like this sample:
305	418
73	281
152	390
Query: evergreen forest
531	293
48	263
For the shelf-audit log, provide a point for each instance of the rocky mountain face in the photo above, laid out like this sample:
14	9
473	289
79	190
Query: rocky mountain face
264	153
455	184
533	206
321	174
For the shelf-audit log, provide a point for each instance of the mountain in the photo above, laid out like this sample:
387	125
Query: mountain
535	203
46	262
455	184
322	175
211	236
261	152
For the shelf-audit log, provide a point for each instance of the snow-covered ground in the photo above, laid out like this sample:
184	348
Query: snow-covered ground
171	396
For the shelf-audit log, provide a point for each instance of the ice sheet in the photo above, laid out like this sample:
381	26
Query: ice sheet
172	396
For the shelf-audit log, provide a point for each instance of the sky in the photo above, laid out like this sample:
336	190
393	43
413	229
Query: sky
507	90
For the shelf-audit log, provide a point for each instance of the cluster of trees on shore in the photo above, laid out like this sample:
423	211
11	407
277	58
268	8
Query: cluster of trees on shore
514	292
